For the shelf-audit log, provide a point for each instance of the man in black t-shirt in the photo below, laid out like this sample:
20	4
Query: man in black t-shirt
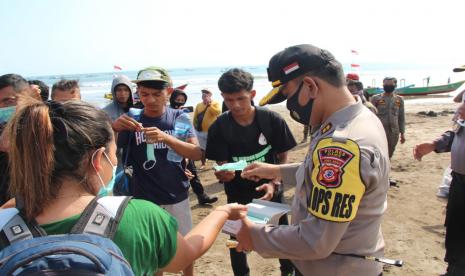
247	133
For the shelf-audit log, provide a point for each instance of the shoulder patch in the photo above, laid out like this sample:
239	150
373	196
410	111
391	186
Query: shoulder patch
336	183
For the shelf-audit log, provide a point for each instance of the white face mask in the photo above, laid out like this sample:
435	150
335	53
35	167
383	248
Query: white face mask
108	188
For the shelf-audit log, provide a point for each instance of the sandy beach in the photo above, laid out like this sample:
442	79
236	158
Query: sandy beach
413	224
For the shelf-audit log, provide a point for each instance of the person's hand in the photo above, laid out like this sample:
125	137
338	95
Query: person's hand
225	176
243	236
235	211
257	171
124	122
269	190
421	150
402	138
155	135
189	174
461	112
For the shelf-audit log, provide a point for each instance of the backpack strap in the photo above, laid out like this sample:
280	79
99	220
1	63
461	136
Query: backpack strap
13	226
102	216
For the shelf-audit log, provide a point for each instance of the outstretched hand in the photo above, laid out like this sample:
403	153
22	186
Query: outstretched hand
421	150
257	171
235	211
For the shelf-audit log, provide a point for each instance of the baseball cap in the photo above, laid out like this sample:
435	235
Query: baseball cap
207	91
153	73
291	63
352	76
459	69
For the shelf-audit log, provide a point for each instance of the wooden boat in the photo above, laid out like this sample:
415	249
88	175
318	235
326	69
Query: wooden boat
420	91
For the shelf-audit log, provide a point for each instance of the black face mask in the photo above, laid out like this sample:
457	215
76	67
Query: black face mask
176	105
299	113
389	88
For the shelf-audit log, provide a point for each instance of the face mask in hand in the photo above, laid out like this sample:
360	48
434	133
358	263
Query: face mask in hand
299	113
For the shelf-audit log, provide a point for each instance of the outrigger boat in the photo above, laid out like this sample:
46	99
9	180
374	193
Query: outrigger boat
420	91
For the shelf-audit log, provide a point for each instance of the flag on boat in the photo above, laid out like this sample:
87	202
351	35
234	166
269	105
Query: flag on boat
354	52
116	67
353	65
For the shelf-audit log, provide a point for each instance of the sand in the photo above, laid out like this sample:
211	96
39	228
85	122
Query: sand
413	224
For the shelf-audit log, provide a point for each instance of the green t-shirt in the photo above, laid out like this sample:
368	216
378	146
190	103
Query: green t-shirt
146	235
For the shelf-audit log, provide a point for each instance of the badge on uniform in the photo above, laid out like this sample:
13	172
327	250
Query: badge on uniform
262	139
332	163
336	186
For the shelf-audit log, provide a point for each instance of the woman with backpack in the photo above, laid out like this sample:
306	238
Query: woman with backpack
62	157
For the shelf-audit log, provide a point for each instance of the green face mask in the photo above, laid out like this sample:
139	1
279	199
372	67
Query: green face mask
6	113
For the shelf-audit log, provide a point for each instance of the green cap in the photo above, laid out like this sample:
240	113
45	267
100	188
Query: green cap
153	73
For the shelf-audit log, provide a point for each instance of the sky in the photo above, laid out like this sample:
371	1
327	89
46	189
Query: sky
86	36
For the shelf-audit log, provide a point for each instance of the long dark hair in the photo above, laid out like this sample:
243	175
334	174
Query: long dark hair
50	142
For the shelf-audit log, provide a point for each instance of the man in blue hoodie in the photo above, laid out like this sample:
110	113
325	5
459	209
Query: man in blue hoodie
122	90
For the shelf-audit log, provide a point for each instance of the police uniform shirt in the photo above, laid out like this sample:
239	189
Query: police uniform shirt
390	111
340	197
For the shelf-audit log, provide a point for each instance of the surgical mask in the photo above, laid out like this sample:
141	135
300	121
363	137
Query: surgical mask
299	113
389	88
108	188
6	113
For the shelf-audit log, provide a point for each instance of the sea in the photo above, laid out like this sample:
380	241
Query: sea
95	85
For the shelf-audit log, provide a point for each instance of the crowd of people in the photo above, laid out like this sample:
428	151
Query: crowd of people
60	156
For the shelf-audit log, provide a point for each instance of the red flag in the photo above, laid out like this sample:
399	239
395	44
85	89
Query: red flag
116	67
354	65
354	52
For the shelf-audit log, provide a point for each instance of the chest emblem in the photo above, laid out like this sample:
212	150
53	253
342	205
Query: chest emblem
262	140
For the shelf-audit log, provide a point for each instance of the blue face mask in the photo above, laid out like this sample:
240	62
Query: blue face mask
108	188
6	113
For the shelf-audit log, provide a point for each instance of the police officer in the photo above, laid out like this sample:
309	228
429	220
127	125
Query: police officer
453	142
342	184
390	108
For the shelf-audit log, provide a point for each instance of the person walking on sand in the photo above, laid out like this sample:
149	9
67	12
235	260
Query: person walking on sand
390	110
205	114
342	184
252	134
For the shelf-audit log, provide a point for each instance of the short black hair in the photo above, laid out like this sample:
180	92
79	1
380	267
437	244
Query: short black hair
44	89
390	78
65	85
356	83
332	72
235	80
16	81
